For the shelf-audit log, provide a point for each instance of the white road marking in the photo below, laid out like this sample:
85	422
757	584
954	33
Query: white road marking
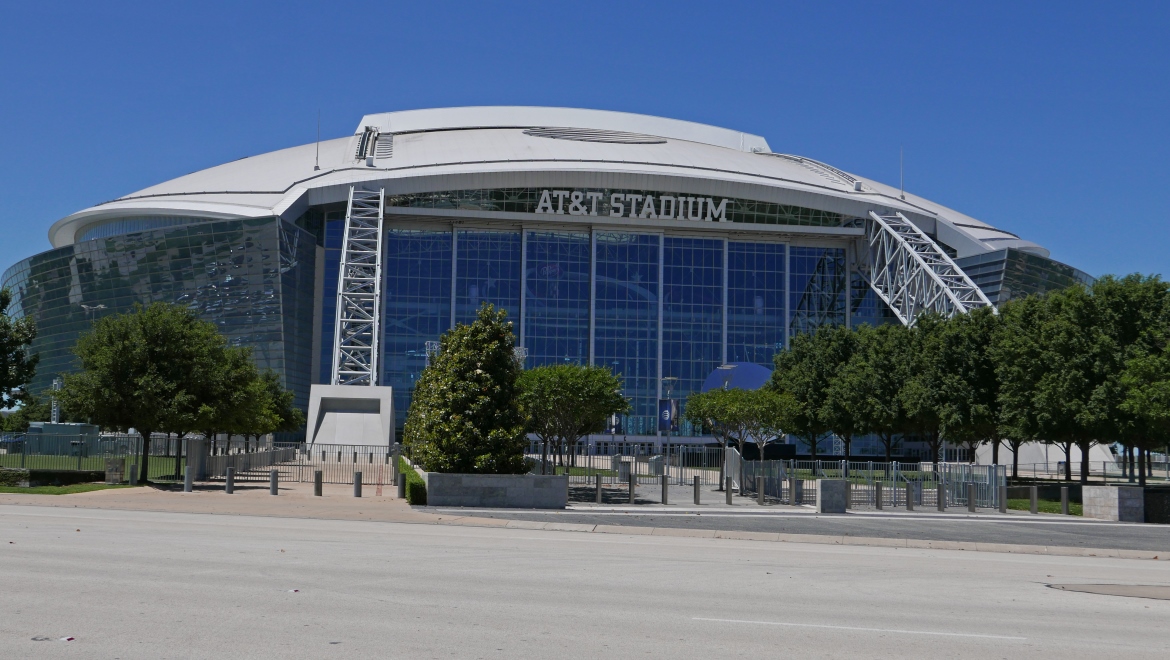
878	630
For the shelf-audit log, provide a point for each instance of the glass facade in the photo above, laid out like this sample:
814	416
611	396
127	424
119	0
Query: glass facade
488	270
692	313
556	297
755	301
816	288
252	278
1009	273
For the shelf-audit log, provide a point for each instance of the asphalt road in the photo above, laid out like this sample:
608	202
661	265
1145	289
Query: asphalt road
134	584
986	527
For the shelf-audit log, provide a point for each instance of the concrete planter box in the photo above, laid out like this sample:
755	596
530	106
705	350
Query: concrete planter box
503	491
832	495
1121	503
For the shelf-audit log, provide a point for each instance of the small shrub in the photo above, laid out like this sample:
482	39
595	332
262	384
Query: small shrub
416	488
13	477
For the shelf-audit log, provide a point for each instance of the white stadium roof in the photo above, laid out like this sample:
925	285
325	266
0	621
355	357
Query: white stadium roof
496	147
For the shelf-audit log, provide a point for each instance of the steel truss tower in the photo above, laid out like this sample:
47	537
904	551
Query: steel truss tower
359	291
912	274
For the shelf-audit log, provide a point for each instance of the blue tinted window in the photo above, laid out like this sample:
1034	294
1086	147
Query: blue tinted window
488	271
816	288
755	301
692	308
556	305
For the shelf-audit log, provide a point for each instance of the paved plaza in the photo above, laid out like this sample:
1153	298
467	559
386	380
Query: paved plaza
151	584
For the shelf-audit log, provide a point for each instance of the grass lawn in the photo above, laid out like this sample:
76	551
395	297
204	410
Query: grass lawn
161	467
60	490
1046	506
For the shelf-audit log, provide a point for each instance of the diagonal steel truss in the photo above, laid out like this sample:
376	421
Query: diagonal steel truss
912	274
359	291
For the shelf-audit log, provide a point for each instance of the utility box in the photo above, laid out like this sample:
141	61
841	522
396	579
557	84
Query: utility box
1120	503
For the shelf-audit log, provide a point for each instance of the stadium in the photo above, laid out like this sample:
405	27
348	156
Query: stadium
662	249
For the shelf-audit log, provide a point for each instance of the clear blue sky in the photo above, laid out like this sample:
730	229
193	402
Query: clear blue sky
1050	120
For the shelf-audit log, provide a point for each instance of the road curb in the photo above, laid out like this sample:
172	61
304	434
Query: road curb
816	539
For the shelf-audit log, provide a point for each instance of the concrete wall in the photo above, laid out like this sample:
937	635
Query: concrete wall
1122	503
832	495
508	491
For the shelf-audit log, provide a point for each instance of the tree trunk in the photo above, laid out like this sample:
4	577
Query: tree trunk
1085	445
995	451
179	456
722	463
1141	466
142	463
1067	446
848	440
1015	445
812	446
888	441
543	456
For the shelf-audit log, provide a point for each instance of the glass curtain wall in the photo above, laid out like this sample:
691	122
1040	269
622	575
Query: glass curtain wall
692	315
556	298
816	288
755	301
416	306
488	270
626	320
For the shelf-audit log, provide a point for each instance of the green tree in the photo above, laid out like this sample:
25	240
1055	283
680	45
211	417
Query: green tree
726	413
1017	350
17	367
465	416
231	400
32	409
768	414
969	403
842	410
875	375
143	370
563	403
804	371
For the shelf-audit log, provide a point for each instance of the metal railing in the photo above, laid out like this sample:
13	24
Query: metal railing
1108	471
337	464
614	461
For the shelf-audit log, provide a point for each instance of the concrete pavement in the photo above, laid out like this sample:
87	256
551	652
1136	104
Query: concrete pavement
144	584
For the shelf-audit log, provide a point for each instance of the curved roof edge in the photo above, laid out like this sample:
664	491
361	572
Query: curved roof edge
519	116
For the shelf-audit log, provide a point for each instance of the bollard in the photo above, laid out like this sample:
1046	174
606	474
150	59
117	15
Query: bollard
696	491
665	487
632	484
357	484
727	488
1003	499
273	477
597	488
1064	500
942	497
1034	494
760	490
187	479
317	483
792	491
229	484
877	495
133	474
971	498
909	497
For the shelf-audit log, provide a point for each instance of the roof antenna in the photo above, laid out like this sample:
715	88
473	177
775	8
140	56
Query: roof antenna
901	173
317	160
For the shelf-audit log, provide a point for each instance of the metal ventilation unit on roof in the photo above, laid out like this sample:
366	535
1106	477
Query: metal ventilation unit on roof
359	291
593	135
912	274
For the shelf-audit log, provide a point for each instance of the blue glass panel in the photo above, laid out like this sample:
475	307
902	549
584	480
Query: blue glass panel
755	301
556	327
816	288
488	271
692	321
626	324
416	306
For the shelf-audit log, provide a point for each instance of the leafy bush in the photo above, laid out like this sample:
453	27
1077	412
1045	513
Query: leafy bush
416	488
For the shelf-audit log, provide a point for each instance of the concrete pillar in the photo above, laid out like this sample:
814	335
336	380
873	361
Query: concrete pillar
1064	500
229	485
133	473
792	489
665	487
1002	499
970	498
760	490
877	495
727	487
633	480
941	491
696	491
187	474
273	478
357	484
597	488
1034	496
317	483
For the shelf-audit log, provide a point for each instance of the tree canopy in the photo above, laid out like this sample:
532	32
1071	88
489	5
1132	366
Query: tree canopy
17	366
563	403
465	416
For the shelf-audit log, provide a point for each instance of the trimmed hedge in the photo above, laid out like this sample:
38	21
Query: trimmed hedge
14	477
416	488
19	477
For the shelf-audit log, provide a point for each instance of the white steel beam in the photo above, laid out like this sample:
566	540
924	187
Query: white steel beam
359	291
